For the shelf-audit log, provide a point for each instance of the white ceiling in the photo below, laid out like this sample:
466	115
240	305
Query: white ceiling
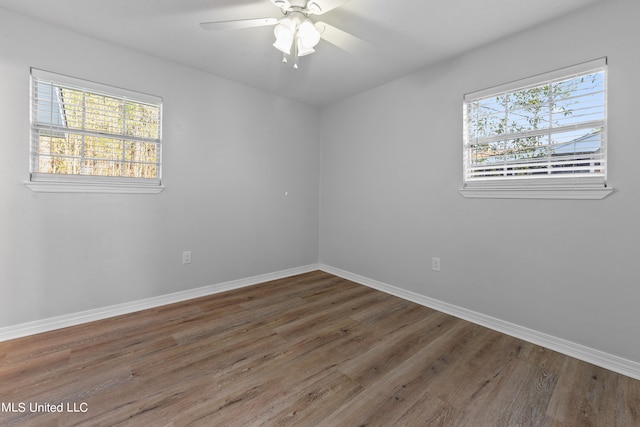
405	35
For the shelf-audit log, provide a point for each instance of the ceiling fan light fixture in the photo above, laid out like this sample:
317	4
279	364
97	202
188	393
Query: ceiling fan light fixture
296	35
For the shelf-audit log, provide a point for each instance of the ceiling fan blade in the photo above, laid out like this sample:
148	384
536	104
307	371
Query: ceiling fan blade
342	39
327	5
238	24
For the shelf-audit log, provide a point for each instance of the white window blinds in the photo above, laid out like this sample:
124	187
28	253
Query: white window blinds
545	131
86	131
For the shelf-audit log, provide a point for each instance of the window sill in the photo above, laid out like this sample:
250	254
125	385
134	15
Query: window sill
567	193
91	187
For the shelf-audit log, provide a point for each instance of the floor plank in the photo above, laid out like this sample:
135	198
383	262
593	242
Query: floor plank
309	350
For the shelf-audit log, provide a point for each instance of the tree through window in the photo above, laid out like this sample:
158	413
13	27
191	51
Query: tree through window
89	131
544	132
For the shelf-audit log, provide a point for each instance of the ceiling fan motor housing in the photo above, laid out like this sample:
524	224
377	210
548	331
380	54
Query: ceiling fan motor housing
282	4
305	6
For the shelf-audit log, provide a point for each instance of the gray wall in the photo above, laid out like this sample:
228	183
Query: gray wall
230	154
392	167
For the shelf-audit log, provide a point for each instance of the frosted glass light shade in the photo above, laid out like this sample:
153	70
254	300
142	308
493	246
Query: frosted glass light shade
284	35
308	35
302	49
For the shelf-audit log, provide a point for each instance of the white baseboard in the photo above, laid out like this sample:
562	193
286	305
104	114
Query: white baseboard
58	322
587	354
578	351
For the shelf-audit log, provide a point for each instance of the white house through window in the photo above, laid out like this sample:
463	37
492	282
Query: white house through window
546	133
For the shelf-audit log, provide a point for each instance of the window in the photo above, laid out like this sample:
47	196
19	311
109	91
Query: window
87	136
542	137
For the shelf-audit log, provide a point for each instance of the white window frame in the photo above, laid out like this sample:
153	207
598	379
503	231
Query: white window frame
566	187
64	183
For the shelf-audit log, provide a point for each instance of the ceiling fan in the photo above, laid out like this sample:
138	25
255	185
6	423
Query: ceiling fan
296	34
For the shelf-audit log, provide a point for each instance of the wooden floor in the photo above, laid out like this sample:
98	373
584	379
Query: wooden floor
308	350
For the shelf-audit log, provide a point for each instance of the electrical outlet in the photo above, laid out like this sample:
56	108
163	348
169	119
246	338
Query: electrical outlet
186	257
435	264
